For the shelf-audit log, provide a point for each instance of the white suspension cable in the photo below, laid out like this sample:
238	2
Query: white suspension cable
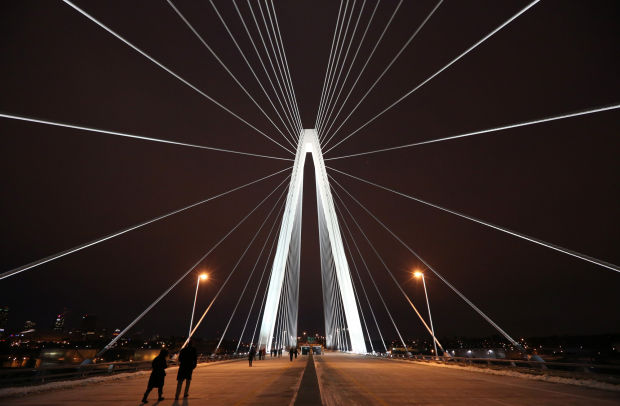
473	306
405	45
139	137
290	109
277	72
341	328
359	227
368	269
135	48
344	324
329	61
261	309
279	319
41	261
285	305
278	57
191	27
290	120
293	265
346	76
332	83
326	273
493	226
141	315
410	92
329	107
231	272
291	131
287	70
247	281
374	48
364	291
334	61
488	130
260	281
329	280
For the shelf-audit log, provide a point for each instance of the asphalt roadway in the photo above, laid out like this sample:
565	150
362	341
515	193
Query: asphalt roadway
331	379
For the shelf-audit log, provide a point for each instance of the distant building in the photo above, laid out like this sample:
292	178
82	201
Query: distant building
59	324
4	318
89	323
29	325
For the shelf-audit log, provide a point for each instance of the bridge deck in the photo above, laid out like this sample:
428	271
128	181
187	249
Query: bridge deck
343	379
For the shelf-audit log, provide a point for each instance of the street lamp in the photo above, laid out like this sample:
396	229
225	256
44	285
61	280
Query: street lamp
418	275
202	277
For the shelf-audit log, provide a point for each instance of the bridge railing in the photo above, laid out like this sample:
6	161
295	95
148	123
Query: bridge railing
517	364
14	377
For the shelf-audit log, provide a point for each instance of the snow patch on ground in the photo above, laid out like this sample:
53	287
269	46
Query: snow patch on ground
588	383
30	390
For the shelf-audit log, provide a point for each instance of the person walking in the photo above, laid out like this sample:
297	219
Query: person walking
187	362
296	352
156	380
291	353
251	355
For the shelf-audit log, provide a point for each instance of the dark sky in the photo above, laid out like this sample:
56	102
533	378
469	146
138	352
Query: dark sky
556	181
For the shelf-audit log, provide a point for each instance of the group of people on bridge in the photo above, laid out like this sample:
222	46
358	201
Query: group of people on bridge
187	359
275	352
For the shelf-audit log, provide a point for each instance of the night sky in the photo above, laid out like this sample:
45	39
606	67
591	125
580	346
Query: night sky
556	181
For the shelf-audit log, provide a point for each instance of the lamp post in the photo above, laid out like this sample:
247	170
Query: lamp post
419	275
202	277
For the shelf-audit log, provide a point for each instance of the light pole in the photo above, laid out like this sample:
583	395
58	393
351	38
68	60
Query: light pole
418	275
202	277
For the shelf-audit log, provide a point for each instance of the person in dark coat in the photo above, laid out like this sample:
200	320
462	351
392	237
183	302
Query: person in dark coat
291	353
187	362
296	352
158	375
251	355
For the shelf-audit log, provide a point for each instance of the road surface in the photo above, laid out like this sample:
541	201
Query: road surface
354	380
334	379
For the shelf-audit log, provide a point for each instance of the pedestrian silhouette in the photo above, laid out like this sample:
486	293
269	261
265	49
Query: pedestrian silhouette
291	353
296	352
251	355
156	380
187	362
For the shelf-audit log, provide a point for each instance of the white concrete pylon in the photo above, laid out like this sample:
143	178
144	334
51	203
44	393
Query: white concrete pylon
309	143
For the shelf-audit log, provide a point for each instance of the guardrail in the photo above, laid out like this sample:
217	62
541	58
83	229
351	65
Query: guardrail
13	377
515	363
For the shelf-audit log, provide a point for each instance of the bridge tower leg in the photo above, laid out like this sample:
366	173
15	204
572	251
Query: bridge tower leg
334	262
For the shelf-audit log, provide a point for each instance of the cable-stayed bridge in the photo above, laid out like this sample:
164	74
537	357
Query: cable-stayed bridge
357	305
